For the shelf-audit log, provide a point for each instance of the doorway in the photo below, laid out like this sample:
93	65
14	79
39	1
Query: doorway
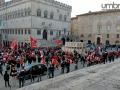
45	34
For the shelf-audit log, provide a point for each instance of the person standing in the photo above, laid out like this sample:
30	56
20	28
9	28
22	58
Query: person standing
76	64
83	62
106	54
29	60
1	64
32	72
8	68
39	72
113	55
18	64
14	74
110	56
1	69
57	65
62	67
46	60
52	70
67	66
24	71
117	54
6	79
21	78
39	59
49	71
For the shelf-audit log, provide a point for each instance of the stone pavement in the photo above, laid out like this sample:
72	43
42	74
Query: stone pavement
97	77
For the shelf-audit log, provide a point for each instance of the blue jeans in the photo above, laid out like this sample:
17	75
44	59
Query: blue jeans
2	67
49	73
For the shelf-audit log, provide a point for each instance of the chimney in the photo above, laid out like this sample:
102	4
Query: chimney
89	11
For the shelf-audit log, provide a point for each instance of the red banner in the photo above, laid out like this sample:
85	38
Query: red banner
58	42
13	44
33	42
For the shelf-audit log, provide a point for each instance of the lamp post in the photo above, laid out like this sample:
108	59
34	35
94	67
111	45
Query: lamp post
76	37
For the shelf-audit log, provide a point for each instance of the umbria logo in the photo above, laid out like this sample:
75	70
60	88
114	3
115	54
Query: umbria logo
110	6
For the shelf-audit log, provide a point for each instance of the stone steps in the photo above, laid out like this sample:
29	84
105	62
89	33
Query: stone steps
85	79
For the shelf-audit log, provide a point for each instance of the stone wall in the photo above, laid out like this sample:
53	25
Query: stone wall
98	77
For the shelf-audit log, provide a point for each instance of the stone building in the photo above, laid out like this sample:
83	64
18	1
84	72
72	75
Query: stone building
41	19
97	27
2	1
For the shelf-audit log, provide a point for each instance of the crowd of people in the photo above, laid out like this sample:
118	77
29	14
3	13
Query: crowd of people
53	57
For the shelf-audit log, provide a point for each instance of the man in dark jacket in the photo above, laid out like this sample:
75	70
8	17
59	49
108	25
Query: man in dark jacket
1	69
67	66
21	78
32	72
52	71
62	67
6	78
46	60
14	74
39	73
1	63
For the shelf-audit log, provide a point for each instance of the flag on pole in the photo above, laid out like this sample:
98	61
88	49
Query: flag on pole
13	44
58	42
33	42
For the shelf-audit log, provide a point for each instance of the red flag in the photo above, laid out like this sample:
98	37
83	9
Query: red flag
13	44
41	54
58	42
33	42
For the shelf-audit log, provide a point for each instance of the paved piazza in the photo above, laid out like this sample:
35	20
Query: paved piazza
99	77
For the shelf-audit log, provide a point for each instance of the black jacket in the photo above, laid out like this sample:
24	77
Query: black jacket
6	77
63	65
22	74
39	71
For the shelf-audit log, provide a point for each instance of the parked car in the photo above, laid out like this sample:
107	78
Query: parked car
88	45
118	45
28	68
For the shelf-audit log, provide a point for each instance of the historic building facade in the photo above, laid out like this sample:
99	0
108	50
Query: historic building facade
97	27
41	19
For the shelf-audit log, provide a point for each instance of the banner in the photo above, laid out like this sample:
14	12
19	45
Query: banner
33	42
99	47
58	42
13	44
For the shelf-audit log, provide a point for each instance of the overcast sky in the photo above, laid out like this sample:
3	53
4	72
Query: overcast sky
84	6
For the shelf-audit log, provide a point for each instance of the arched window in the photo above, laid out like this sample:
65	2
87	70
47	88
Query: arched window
38	13
60	17
65	17
51	15
45	14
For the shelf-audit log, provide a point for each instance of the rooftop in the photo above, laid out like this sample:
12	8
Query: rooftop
97	12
